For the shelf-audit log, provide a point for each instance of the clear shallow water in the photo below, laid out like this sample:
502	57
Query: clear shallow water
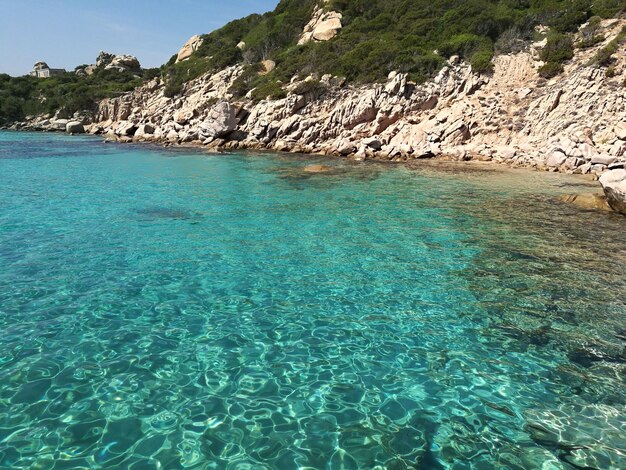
169	309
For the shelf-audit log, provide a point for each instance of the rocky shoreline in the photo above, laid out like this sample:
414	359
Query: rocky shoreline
574	123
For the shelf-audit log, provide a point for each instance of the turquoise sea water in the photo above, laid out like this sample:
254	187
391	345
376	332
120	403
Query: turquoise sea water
166	309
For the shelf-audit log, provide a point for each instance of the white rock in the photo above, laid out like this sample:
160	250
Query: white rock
556	159
603	160
172	136
125	128
620	130
75	127
59	124
222	120
323	26
614	185
183	116
267	66
123	63
189	48
588	150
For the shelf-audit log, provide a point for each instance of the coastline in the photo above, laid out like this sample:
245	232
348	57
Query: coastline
574	123
588	196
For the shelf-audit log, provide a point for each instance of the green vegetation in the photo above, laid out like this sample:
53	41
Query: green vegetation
589	35
413	37
378	36
23	96
604	57
310	87
551	69
558	49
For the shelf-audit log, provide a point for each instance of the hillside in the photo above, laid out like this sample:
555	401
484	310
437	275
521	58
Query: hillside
374	38
67	93
380	36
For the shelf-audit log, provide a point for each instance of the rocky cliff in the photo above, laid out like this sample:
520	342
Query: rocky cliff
574	122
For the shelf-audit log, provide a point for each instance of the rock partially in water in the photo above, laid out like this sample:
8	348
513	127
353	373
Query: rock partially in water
587	201
317	169
614	184
75	127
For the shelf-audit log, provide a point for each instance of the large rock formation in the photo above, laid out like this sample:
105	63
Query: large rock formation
75	127
614	185
104	59
123	63
189	48
221	120
108	61
323	26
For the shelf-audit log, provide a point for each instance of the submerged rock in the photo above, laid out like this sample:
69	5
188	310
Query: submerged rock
318	169
614	184
579	432
587	201
165	213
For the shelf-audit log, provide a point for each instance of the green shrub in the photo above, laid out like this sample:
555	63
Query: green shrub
551	69
590	42
11	109
20	96
604	57
172	89
149	74
464	45
378	36
590	34
310	87
608	8
568	15
248	79
610	72
513	40
481	62
558	49
271	89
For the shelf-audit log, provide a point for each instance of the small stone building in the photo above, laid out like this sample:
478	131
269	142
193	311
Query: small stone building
41	70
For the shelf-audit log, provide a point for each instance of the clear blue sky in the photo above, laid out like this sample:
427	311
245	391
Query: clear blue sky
67	33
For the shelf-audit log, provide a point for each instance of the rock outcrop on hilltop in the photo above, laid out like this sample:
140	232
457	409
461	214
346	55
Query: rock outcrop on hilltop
323	26
191	46
108	61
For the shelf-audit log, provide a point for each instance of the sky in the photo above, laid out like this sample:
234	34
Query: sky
67	33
